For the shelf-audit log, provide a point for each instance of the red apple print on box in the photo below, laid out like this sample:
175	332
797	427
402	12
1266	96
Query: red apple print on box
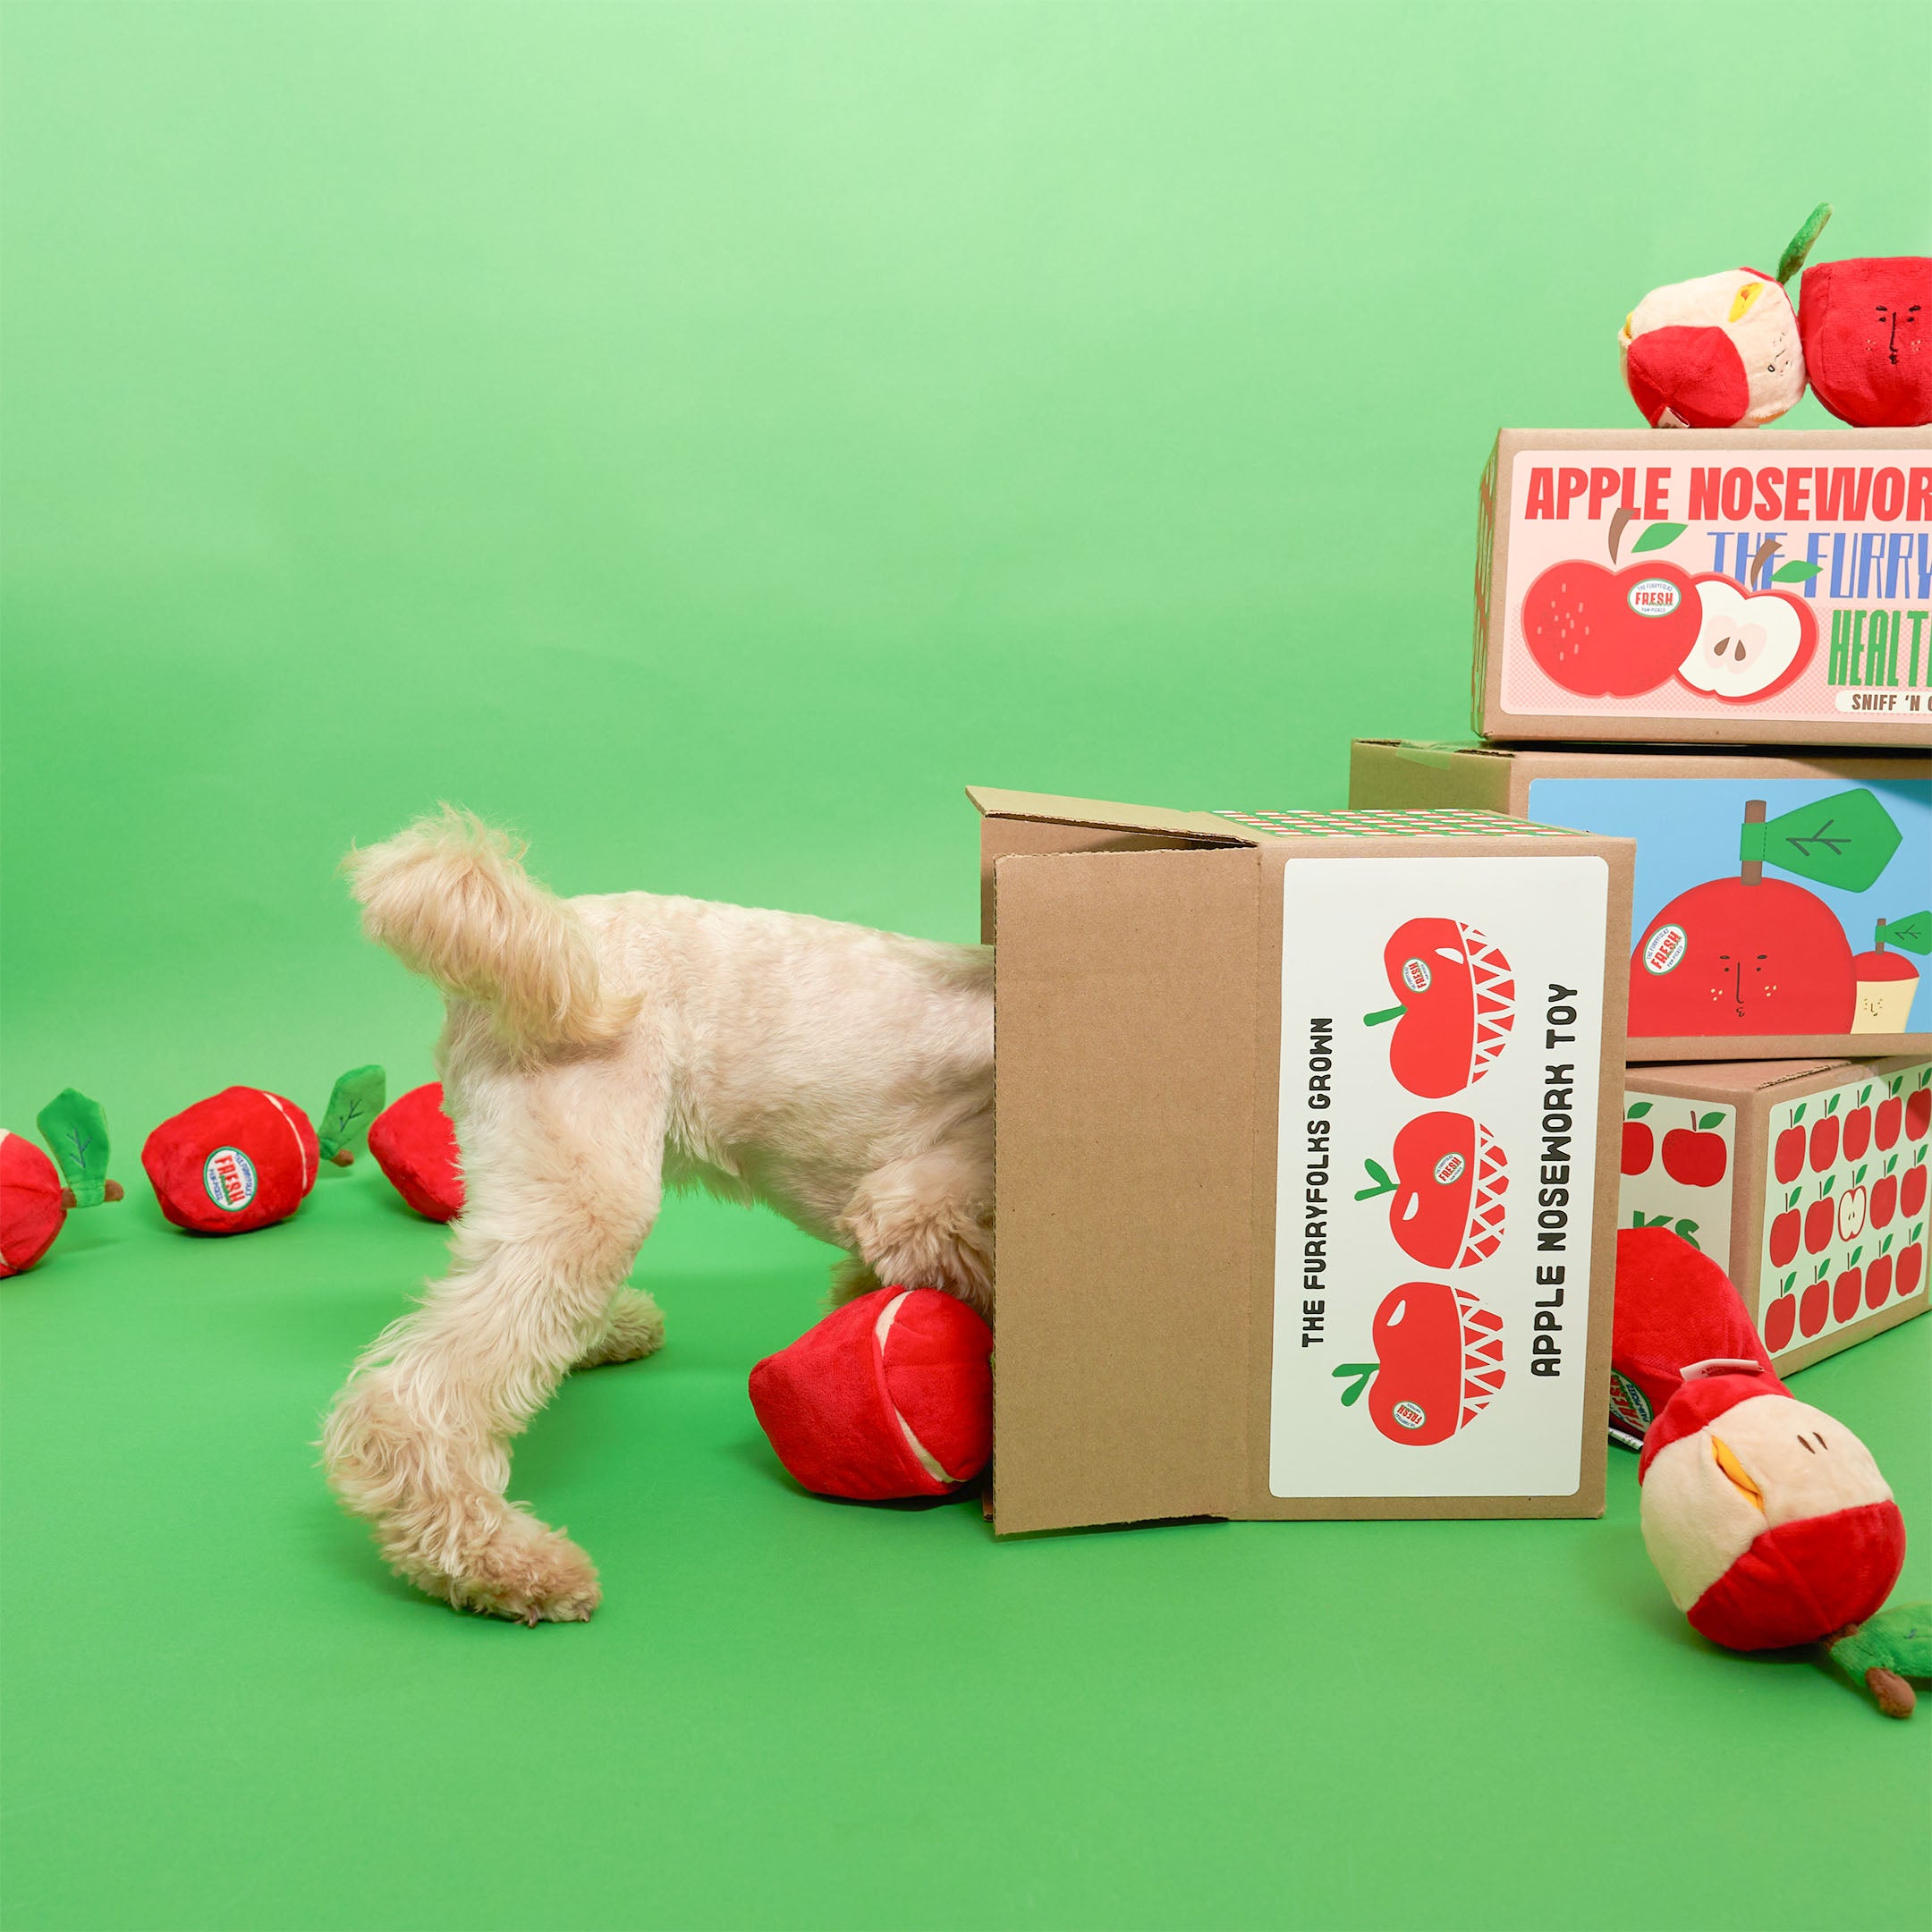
1449	1183
1878	1275
1910	1265
1886	981
1846	1289
1821	1219
1824	1137
1918	1106
1912	1188
1780	1316
1438	1363
1458	1003
1749	645
1857	1125
1608	632
1852	1209
1751	955
1694	1155
1786	1230
1640	1145
1814	1305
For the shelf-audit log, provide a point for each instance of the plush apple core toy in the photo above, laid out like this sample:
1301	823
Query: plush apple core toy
1867	330
414	1144
35	1194
891	1395
1766	1519
243	1158
1721	351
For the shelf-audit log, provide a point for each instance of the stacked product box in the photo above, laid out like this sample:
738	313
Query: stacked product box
1718	644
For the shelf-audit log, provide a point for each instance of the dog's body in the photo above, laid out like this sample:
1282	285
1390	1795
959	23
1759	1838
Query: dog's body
595	1049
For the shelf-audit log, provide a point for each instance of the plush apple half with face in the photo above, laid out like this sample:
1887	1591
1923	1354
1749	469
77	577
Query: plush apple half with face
1450	1179
1458	994
1438	1363
1749	644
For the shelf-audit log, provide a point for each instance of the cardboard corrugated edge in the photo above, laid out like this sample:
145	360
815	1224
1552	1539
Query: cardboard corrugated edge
1492	721
1756	1090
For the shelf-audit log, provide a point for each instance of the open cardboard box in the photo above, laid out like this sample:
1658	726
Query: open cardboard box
1300	1118
1833	940
1804	1180
1704	586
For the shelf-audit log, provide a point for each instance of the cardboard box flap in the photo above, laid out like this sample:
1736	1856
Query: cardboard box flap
1044	806
1728	1076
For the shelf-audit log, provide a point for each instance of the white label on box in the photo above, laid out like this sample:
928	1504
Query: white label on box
1784	583
1441	1023
1678	1159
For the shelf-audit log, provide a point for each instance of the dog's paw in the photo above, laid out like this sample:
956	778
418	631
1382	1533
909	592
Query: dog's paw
528	1573
634	1329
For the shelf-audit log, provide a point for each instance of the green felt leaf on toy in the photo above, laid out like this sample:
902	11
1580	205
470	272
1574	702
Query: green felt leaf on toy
1846	841
75	1130
1799	245
1886	1652
355	1101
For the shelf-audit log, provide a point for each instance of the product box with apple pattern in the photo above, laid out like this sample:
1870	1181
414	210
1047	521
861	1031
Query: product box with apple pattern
1691	585
1805	1180
1781	902
1307	1127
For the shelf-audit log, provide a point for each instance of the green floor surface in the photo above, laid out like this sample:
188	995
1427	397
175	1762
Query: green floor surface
790	1712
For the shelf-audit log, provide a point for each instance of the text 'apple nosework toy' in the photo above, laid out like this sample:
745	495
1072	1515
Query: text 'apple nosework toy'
1867	330
243	1158
1768	1520
891	1395
1721	351
36	1193
415	1145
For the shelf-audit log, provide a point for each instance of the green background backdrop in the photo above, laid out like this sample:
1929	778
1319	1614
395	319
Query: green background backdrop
705	437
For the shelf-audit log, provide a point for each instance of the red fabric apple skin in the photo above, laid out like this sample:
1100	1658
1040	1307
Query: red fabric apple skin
889	1396
237	1161
415	1145
1865	328
31	1210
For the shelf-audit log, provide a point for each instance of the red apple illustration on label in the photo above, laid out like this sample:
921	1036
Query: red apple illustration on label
1693	1155
1788	1158
1785	1230
1857	1125
1887	981
1458	1003
1752	954
1450	1180
1639	1144
1912	1188
1852	1209
1781	1317
1821	1220
1814	1305
1878	1277
1890	1117
1918	1106
1610	633
1438	1363
1749	646
1911	1266
1884	1195
1824	1138
1846	1289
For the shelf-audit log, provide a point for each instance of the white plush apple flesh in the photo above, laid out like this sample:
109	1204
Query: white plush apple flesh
1744	644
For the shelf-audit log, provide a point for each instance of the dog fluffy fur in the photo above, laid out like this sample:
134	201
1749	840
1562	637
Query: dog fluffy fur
595	1050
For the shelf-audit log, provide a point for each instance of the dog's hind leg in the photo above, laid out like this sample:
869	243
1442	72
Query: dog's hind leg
632	1328
562	1173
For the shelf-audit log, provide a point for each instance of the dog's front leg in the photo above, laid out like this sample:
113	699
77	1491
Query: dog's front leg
562	1174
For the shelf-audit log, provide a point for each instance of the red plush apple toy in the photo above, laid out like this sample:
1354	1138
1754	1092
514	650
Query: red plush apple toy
1449	1183
891	1395
1867	330
243	1157
1768	1520
1458	1004
35	1194
414	1144
1439	1364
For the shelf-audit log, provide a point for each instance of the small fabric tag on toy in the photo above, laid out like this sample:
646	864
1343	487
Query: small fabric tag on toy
1722	1365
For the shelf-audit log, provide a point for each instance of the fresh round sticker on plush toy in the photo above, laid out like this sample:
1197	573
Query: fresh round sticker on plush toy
228	1175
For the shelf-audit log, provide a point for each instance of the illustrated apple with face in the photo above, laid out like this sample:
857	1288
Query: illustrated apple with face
1910	1265
1639	1145
1788	1157
1878	1277
1846	1289
1890	1117
1450	1180
1748	645
1821	1220
1852	1209
1884	1195
1610	633
1782	1243
1694	1155
1887	981
1781	1317
1814	1305
1438	1363
1458	1004
1824	1138
1912	1188
1857	1125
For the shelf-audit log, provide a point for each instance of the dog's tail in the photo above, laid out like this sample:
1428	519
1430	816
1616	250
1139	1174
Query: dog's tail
450	898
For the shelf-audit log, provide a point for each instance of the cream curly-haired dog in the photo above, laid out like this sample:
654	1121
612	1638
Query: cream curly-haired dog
595	1048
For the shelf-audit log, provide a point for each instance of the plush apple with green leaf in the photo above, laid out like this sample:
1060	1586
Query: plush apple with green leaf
1438	1363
